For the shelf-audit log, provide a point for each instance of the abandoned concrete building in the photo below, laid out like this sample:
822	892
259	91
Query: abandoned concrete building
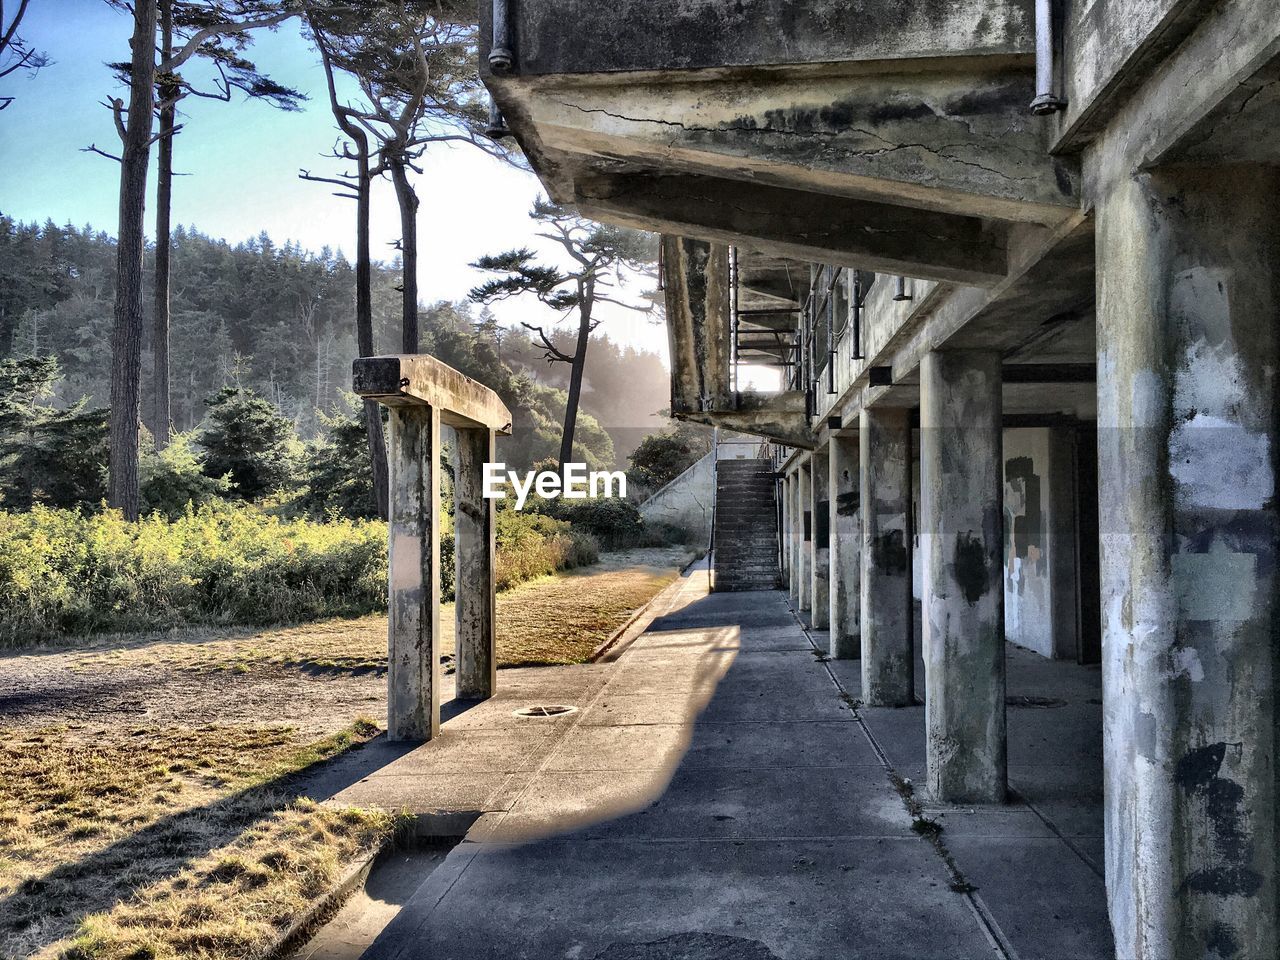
1017	265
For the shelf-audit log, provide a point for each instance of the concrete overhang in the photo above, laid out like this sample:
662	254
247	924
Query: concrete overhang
708	120
412	379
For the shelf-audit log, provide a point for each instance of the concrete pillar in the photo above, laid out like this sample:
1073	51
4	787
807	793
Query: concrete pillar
413	574
888	656
846	537
820	542
962	523
1188	321
784	531
804	555
794	536
474	555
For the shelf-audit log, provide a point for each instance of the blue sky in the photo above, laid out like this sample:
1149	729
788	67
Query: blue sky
243	160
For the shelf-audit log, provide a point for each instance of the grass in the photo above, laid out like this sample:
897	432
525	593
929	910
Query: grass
552	620
149	842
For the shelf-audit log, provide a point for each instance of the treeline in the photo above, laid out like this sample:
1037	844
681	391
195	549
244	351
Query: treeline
277	320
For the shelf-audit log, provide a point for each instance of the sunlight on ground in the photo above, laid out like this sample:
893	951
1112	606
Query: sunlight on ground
123	834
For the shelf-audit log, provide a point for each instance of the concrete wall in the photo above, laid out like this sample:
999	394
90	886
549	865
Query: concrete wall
1028	587
1039	541
687	500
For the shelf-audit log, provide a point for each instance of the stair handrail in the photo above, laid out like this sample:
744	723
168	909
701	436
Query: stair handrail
715	482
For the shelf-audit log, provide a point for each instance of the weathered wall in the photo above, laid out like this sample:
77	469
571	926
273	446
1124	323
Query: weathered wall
1028	586
686	501
587	36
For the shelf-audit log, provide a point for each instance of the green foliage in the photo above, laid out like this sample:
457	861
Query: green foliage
339	481
614	522
532	545
174	478
247	439
47	455
63	572
661	457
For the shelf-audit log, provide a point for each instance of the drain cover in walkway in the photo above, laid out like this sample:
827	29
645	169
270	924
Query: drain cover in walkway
545	710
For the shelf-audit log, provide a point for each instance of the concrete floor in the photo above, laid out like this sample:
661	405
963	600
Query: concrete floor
714	796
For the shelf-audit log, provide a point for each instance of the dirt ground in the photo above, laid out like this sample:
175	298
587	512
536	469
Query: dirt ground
316	677
150	804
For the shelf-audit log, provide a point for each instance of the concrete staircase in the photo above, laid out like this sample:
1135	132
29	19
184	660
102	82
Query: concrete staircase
746	526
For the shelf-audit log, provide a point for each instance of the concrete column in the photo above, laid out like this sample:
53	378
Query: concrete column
794	535
804	555
1188	329
820	543
846	572
785	529
413	574
888	655
474	542
962	523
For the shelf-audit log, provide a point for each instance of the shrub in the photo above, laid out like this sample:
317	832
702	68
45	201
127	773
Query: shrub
66	573
532	545
614	522
63	572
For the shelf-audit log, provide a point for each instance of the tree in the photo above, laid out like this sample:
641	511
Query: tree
134	125
414	62
335	480
597	250
248	440
15	53
661	457
47	455
182	20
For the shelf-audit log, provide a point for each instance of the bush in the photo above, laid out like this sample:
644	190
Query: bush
63	572
67	573
614	522
532	545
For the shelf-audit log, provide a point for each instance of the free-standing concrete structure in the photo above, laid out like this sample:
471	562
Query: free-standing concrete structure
1026	252
424	395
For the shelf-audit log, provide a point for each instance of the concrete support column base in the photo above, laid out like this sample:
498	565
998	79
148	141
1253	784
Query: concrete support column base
962	523
888	654
475	559
846	593
1188	353
413	574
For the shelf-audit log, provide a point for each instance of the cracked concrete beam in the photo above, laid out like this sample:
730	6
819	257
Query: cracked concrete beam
416	379
779	416
956	141
803	226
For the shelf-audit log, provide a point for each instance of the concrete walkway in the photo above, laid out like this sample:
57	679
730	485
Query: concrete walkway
715	796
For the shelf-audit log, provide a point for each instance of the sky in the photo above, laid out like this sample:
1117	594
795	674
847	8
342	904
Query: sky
242	161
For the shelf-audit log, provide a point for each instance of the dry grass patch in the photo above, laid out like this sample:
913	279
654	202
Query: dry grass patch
552	620
149	842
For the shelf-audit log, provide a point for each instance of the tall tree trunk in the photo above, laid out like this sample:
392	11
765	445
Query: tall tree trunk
364	322
408	201
585	305
163	424
126	336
